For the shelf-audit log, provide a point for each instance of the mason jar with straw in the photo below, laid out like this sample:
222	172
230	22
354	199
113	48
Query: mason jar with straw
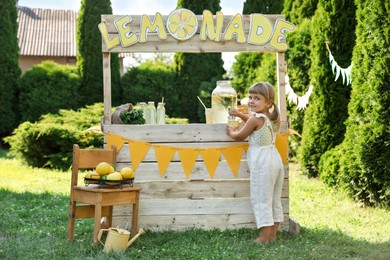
208	112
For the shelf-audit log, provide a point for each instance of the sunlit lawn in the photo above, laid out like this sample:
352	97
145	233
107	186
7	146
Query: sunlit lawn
34	213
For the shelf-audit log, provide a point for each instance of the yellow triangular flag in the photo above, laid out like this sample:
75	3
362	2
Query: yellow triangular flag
164	155
233	155
117	140
188	158
281	143
138	150
211	159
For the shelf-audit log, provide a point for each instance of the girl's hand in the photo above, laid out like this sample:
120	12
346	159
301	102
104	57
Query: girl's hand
234	112
229	130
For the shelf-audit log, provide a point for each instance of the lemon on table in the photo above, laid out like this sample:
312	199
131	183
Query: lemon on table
182	24
112	168
115	176
103	168
127	173
94	175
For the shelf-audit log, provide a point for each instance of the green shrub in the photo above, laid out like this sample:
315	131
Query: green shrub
175	120
299	62
9	66
329	166
48	143
81	119
151	81
324	120
364	154
89	54
46	88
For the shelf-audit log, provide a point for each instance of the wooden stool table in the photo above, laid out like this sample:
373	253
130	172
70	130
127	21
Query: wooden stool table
99	203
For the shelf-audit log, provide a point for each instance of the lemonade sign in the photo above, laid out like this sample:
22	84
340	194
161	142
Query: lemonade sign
182	25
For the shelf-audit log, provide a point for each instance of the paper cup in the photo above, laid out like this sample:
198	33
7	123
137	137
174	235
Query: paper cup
209	115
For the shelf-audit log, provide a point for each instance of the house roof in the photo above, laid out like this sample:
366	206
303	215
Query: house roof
47	32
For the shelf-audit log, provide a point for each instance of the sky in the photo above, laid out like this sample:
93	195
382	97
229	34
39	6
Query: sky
149	7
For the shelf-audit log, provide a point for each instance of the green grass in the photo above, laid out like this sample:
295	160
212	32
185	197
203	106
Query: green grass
34	214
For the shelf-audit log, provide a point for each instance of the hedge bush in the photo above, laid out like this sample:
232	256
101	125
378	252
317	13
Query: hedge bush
324	118
47	88
299	62
364	165
49	142
9	66
151	81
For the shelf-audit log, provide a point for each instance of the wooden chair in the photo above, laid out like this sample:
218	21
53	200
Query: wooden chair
98	202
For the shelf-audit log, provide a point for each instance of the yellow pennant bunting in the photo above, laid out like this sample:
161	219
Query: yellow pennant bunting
281	144
164	155
211	159
188	158
138	150
117	140
233	155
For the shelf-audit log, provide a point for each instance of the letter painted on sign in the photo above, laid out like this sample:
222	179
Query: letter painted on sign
126	37
114	41
278	40
147	26
235	27
260	29
209	29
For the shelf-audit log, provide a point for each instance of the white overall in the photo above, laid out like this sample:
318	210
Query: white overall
266	175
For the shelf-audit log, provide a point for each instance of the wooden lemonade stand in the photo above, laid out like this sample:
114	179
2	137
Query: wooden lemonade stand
188	190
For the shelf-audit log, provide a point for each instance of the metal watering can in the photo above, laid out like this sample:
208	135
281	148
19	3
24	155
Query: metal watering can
117	239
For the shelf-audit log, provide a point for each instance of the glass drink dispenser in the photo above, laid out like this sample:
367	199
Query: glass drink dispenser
223	98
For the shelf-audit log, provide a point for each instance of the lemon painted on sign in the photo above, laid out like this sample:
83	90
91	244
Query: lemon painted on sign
182	24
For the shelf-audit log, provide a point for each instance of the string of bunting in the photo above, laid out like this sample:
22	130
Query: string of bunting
344	72
292	97
302	101
188	156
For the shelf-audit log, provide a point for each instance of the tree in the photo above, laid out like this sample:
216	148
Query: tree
9	68
361	163
263	6
151	81
89	57
297	10
298	59
252	67
193	69
298	64
324	126
46	88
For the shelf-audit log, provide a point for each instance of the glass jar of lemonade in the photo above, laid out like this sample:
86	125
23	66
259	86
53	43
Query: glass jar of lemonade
223	98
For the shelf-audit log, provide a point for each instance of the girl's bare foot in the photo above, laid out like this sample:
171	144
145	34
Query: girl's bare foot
261	240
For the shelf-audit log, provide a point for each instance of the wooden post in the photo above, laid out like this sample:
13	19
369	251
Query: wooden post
107	88
281	72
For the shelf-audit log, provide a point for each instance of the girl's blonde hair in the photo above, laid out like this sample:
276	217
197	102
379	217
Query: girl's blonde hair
267	90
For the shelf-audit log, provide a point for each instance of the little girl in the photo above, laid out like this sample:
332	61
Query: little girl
265	163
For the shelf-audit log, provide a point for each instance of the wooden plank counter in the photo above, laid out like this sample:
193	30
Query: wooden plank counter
175	202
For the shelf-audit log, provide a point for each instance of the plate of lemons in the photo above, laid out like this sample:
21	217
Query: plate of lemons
106	174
